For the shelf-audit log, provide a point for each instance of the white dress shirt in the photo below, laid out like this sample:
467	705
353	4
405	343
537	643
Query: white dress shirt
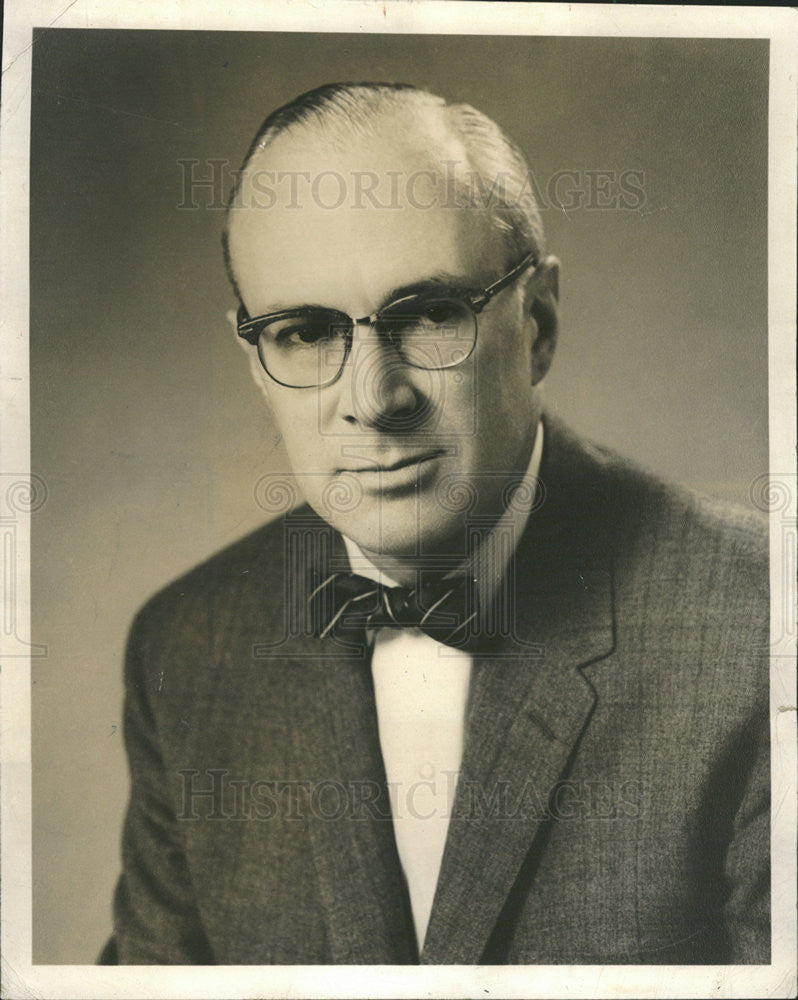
421	689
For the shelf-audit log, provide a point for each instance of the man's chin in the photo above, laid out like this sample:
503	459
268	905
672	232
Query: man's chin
404	532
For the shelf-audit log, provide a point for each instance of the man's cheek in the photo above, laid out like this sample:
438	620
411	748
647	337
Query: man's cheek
298	427
456	414
307	452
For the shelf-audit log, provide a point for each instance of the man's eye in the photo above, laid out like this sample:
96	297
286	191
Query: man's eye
440	313
424	313
304	335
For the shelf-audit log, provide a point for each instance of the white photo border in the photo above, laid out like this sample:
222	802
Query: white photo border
22	978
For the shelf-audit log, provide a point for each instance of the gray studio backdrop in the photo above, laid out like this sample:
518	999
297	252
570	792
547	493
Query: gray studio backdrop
146	429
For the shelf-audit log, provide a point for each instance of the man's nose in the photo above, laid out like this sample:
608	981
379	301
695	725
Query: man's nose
381	391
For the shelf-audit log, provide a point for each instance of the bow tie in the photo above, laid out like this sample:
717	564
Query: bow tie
346	605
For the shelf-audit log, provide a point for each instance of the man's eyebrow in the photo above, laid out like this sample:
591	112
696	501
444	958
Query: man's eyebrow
279	307
435	282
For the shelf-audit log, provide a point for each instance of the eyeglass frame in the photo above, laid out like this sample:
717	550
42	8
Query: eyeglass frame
475	300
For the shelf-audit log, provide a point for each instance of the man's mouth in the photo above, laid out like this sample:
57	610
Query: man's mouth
391	473
392	464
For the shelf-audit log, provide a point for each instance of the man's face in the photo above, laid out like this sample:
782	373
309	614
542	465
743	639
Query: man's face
386	452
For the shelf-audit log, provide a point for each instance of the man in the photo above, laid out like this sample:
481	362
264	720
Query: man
492	695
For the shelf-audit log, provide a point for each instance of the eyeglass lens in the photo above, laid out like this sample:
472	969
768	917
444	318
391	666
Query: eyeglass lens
309	348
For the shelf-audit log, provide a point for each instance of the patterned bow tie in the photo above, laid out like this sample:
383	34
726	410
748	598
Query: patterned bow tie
345	605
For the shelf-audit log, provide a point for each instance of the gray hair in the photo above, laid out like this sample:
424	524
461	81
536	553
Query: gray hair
497	178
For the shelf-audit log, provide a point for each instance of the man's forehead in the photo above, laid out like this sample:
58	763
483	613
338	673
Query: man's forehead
352	260
355	219
401	151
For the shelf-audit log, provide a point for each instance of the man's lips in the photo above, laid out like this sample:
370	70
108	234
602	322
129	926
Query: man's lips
391	463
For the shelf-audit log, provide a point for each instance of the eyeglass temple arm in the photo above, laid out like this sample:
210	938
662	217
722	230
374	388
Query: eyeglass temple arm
480	301
242	317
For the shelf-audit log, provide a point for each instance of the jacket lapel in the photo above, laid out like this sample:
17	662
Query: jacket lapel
336	753
529	704
359	876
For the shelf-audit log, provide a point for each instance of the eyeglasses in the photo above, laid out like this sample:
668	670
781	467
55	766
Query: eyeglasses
308	347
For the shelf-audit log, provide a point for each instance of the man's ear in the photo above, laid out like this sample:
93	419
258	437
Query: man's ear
541	296
255	368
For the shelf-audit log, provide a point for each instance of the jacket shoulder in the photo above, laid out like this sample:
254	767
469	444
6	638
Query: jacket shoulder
230	583
698	548
675	518
643	501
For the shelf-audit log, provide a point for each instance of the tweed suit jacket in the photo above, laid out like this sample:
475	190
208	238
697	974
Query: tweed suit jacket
613	799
